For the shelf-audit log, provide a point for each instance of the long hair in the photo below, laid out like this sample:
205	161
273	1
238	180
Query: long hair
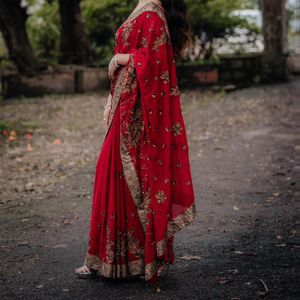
176	13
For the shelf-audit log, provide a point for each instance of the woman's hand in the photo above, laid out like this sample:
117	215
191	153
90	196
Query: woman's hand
106	113
112	68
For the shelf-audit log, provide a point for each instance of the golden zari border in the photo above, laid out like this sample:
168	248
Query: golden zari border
111	270
175	225
152	7
132	181
127	270
118	90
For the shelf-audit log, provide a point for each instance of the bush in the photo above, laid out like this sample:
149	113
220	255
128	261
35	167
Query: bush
102	19
44	31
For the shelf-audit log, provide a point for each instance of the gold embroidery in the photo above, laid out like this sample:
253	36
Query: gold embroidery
130	175
160	40
175	91
152	7
130	83
109	270
120	246
150	270
125	270
136	126
133	246
116	96
144	42
176	129
109	247
165	77
175	225
126	32
147	201
182	220
160	196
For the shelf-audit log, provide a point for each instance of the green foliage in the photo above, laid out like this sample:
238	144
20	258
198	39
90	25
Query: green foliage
213	16
102	19
44	31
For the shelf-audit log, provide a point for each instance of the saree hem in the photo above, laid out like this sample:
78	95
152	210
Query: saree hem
126	270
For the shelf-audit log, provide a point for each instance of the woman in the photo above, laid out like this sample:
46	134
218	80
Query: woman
143	190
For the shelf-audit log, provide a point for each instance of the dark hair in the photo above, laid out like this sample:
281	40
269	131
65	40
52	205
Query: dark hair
176	13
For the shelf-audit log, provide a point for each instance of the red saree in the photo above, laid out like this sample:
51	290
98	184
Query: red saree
143	192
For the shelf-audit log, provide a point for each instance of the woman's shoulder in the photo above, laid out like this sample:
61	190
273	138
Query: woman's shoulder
151	10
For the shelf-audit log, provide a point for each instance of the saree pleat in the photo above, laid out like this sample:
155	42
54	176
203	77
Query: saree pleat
116	235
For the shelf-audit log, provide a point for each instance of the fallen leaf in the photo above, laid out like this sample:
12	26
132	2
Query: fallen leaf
39	286
29	147
224	280
57	142
234	271
266	291
60	246
236	208
28	136
23	243
67	222
191	257
293	233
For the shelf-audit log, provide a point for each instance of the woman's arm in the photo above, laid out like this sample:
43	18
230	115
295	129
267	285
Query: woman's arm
116	61
122	59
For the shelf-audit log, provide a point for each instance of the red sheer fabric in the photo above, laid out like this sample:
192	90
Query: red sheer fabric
143	192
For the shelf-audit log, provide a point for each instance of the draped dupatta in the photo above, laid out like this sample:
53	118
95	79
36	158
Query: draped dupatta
153	142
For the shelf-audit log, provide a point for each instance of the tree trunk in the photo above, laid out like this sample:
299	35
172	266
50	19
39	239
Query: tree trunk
74	44
13	27
275	32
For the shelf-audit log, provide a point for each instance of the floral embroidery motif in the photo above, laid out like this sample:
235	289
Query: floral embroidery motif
144	42
130	83
165	77
176	129
133	245
126	33
120	246
160	196
160	40
175	91
117	95
130	175
136	126
147	201
182	220
109	247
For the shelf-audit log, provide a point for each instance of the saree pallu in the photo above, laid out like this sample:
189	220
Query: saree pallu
143	191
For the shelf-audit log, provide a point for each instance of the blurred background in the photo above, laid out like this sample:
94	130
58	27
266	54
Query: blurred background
240	91
40	35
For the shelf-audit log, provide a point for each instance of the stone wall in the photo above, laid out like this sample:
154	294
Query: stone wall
234	70
238	71
62	80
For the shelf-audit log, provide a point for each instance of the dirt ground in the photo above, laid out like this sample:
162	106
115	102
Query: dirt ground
244	152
